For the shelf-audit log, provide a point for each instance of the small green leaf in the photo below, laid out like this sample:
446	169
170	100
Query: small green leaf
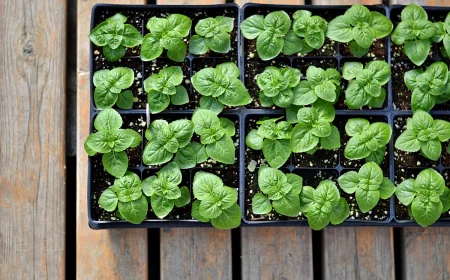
276	152
108	200
288	205
151	47
386	188
219	43
349	181
196	212
161	205
333	141
405	191
211	103
340	212
180	97
113	55
417	51
125	100
184	199
356	126
197	45
116	163
261	204
252	26
204	185
408	142
269	45
186	157
230	218
223	150
253	140
134	211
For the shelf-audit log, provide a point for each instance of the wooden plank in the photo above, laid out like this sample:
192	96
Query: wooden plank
32	149
422	2
358	253
106	254
427	253
346	2
202	253
189	2
279	2
276	253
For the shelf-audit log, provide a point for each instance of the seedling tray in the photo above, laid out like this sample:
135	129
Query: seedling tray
334	56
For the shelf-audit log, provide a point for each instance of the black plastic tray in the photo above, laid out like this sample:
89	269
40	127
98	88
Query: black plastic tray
388	113
190	61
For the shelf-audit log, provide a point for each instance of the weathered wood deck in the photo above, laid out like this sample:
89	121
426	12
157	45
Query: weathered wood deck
33	220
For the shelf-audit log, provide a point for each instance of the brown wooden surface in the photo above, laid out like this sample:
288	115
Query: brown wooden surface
358	253
427	253
276	253
32	142
197	254
346	2
103	254
285	2
422	2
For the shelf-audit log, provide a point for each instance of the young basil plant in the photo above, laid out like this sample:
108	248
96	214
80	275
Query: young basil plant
215	133
367	140
314	127
166	34
359	27
274	140
280	191
212	34
166	139
276	85
425	134
270	33
323	205
428	87
115	36
319	84
109	88
111	141
427	197
126	195
365	85
311	28
368	184
165	88
216	203
220	86
416	32
164	192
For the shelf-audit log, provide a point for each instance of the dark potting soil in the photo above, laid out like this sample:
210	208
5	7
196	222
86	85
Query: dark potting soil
202	63
378	49
154	66
405	159
140	99
401	174
340	122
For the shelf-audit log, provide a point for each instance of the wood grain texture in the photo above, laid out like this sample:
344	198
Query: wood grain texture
276	253
106	254
427	253
346	2
190	2
195	253
280	2
358	253
422	2
32	141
